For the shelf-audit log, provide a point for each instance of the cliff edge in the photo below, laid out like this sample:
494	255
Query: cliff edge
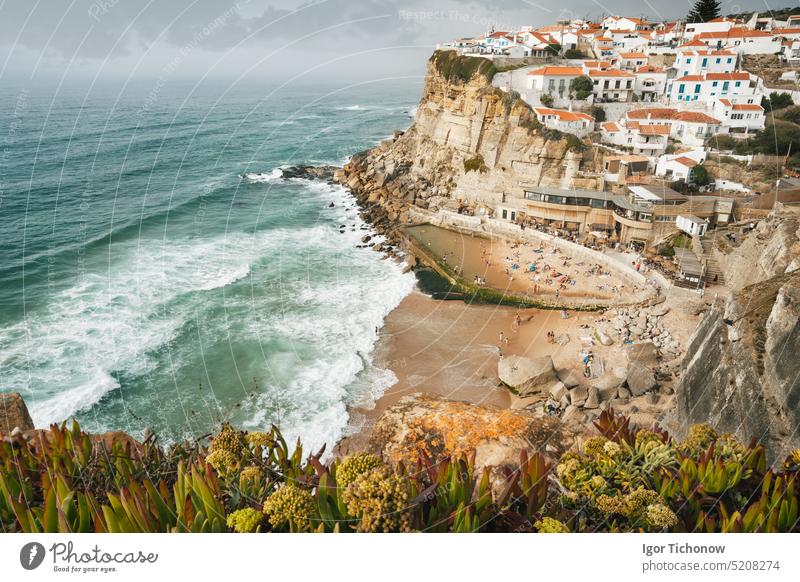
741	372
469	140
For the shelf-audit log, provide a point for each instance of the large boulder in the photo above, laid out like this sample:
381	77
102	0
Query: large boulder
608	384
645	353
640	379
14	413
569	377
527	376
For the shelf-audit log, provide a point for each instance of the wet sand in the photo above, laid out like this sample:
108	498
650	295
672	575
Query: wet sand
450	349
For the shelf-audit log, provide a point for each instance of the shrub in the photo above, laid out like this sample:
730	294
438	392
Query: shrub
574	54
546	99
791	114
776	101
581	87
475	164
456	67
700	176
625	479
598	113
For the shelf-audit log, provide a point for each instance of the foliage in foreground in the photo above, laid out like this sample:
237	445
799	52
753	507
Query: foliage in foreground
624	479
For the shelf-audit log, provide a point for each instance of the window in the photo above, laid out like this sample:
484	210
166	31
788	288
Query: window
681	88
688	61
697	88
714	84
719	61
730	61
705	62
738	84
725	86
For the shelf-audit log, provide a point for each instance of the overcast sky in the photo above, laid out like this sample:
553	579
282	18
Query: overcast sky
348	39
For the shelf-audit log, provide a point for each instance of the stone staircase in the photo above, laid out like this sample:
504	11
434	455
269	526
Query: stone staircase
713	269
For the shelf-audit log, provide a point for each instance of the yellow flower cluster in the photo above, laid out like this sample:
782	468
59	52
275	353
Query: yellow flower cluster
699	438
259	439
550	525
356	464
379	499
290	506
251	475
632	505
244	520
225	451
661	516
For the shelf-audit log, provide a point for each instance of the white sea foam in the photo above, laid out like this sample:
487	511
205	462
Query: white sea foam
265	177
332	298
352	108
112	320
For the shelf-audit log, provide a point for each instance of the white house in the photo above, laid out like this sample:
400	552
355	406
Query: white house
676	167
743	41
698	62
627	41
650	83
573	122
553	80
690	128
709	86
625	23
716	25
691	225
647	140
631	61
740	116
612	84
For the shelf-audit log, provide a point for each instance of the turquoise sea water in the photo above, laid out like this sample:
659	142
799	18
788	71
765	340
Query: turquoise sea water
156	272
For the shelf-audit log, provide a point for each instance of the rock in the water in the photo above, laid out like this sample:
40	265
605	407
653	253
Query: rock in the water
14	413
526	376
640	378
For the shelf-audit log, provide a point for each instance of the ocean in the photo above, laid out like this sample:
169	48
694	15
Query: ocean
156	270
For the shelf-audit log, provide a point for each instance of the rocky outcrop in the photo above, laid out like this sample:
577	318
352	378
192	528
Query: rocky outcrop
440	428
527	376
741	372
771	249
469	141
14	413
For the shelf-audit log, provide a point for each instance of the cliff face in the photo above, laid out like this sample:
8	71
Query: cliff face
771	249
461	122
741	372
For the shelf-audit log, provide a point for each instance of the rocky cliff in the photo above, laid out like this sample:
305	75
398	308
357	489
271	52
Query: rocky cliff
741	371
470	141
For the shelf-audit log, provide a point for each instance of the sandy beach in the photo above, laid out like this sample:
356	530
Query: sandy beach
451	349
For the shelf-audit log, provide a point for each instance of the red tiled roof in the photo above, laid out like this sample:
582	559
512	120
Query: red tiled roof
563	114
734	33
655	129
558	71
609	73
610	126
650	69
633	55
747	107
669	113
688	162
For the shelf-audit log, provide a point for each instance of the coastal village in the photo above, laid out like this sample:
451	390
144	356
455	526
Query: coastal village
603	219
606	183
